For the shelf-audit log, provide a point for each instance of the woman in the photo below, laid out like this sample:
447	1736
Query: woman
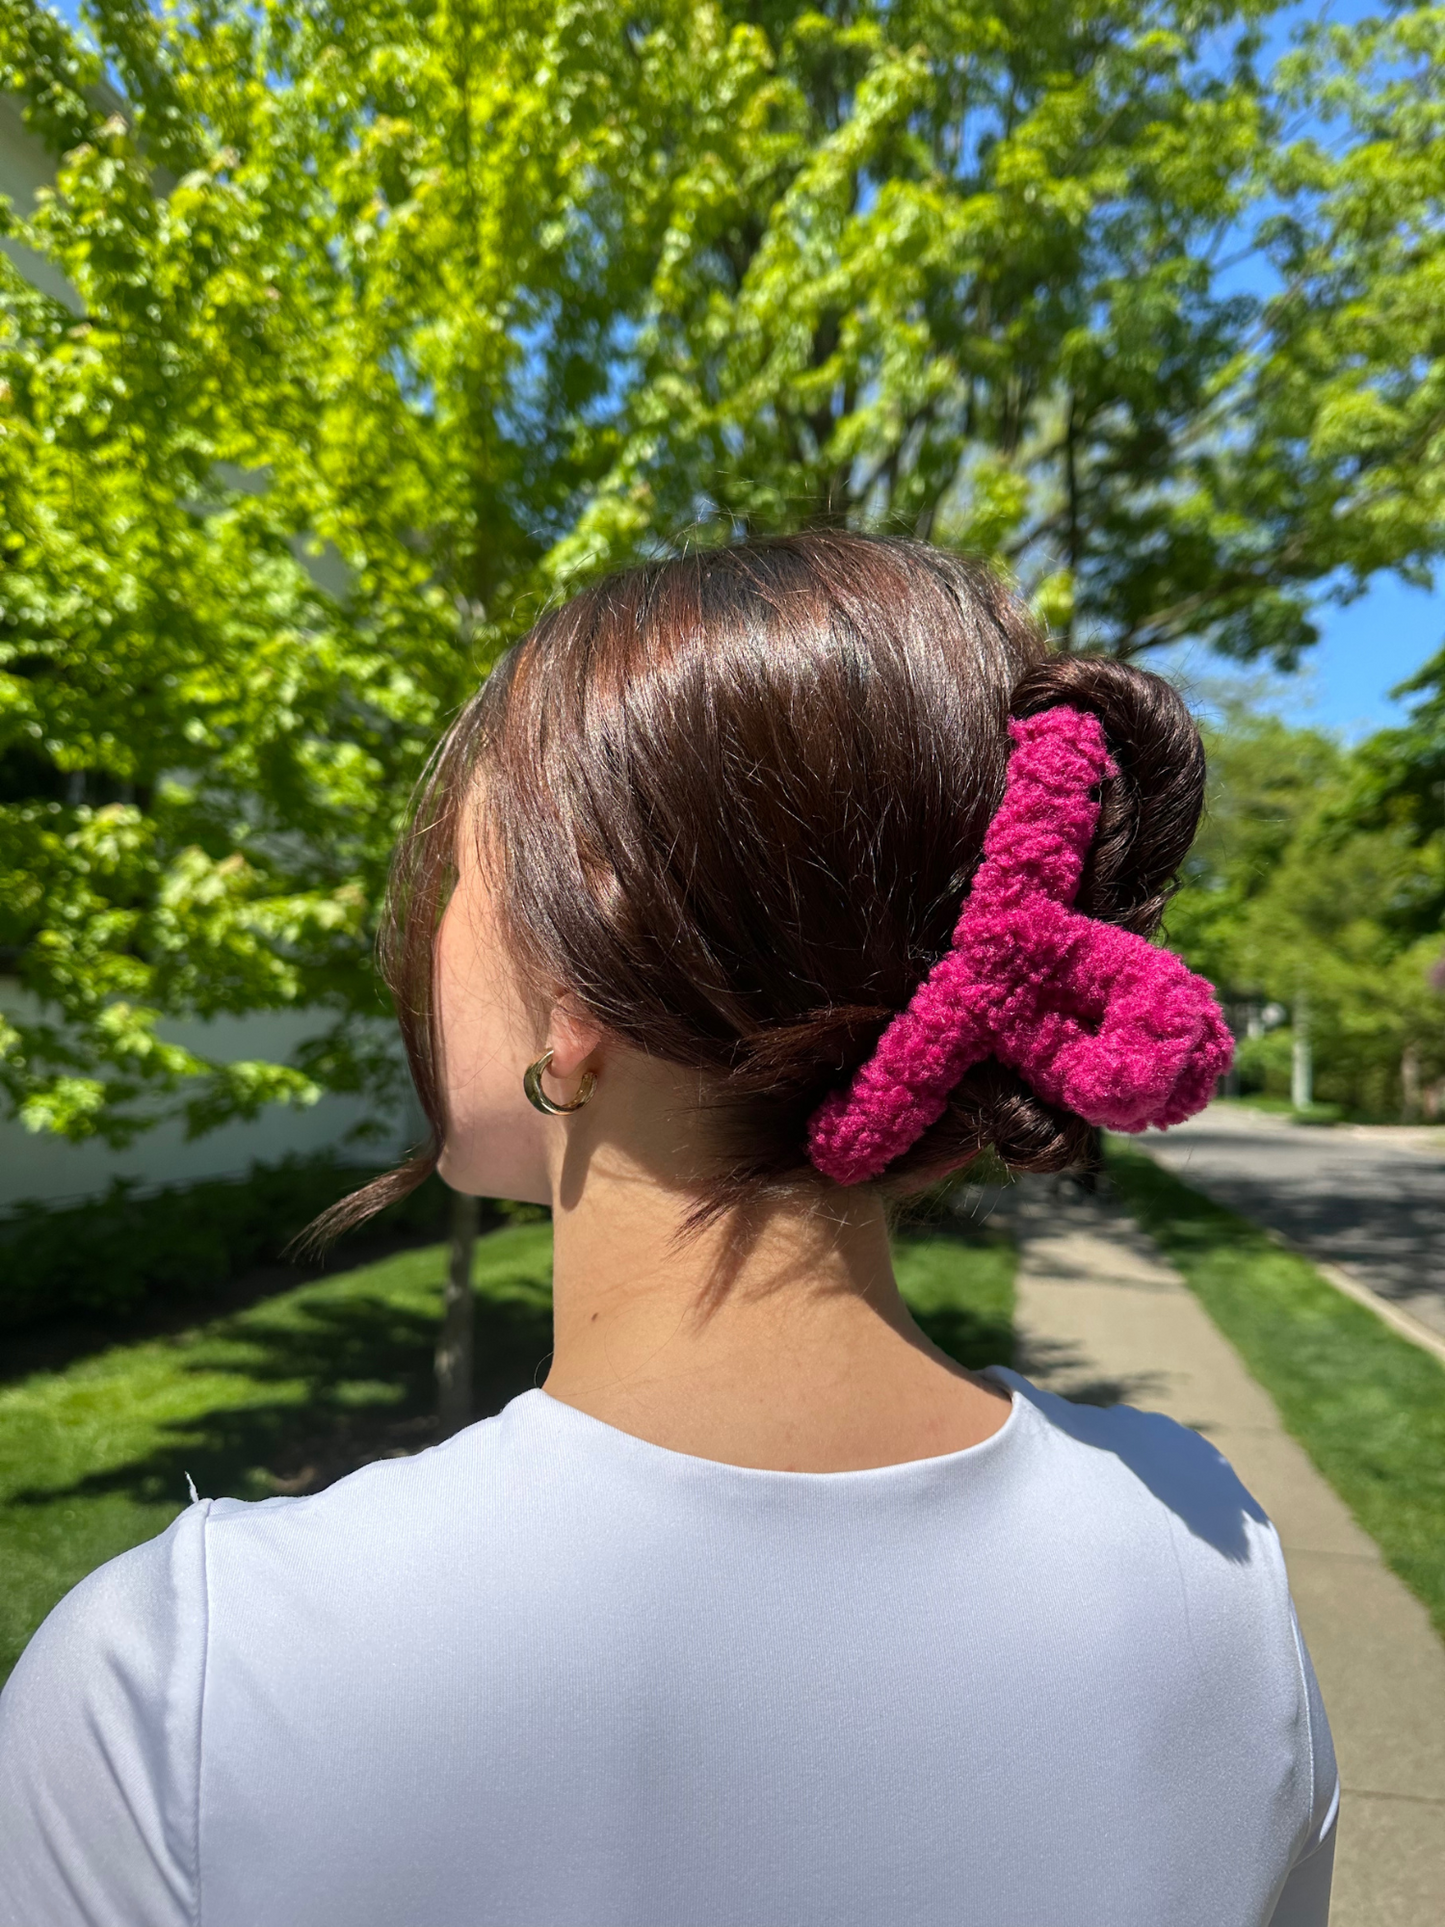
753	890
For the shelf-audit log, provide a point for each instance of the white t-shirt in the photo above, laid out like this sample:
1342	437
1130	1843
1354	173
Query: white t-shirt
548	1674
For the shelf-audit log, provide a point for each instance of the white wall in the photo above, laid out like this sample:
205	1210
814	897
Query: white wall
40	1165
24	166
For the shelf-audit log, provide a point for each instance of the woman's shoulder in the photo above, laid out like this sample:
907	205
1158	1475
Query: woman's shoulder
100	1719
102	1712
1118	1466
139	1615
144	1611
1111	1485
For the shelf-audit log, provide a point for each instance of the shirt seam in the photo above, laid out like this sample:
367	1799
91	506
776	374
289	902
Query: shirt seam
1326	1829
1304	1687
201	1704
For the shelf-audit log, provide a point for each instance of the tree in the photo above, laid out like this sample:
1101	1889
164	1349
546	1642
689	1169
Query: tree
345	285
1289	899
1351	381
1265	779
475	299
1354	376
965	286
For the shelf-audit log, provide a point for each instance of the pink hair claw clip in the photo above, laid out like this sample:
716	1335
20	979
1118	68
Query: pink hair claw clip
1097	1019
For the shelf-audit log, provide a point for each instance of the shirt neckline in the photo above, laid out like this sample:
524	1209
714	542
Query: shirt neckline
568	1417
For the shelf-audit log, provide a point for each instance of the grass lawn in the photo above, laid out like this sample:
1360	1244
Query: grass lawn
1366	1404
303	1387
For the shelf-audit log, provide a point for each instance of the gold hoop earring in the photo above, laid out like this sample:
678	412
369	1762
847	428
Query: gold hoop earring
538	1098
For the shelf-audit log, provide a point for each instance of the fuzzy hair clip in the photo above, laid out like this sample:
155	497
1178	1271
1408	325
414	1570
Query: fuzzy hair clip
1099	1021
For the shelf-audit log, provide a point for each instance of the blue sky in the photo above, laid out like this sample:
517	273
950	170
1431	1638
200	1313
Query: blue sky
1371	645
1363	652
1343	684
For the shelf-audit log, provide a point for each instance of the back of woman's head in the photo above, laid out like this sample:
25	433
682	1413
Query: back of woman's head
731	804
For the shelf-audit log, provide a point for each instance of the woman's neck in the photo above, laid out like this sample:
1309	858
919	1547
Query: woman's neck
779	1342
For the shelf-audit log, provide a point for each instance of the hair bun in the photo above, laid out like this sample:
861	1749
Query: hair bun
1149	812
782	761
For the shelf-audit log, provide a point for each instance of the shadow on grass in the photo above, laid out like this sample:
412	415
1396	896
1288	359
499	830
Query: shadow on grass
54	1344
358	1383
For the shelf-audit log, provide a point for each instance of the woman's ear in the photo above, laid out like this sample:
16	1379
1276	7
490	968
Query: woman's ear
572	1039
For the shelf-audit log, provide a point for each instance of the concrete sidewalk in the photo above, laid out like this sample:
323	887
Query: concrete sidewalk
1103	1317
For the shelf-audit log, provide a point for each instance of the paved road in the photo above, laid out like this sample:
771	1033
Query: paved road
1101	1315
1371	1200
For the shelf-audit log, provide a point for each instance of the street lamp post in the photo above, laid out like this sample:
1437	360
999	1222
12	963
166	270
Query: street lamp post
1302	1062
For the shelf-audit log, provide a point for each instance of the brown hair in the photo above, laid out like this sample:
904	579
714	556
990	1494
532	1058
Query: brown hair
733	802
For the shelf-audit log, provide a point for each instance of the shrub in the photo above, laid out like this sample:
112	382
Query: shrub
110	1255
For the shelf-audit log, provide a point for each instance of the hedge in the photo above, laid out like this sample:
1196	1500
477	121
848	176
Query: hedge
110	1255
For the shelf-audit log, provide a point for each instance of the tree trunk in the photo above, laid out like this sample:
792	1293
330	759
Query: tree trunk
454	1347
